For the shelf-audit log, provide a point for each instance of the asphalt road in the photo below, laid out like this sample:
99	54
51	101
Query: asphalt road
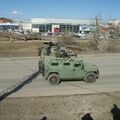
16	69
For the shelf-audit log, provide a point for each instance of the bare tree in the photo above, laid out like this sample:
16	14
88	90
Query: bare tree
94	42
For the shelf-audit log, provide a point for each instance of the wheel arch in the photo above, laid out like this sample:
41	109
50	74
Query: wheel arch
51	73
95	72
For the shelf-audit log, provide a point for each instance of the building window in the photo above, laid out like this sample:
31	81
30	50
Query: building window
6	27
63	28
35	26
48	28
42	28
69	28
76	28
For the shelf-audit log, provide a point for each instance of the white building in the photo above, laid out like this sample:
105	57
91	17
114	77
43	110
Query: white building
57	25
27	26
6	26
116	22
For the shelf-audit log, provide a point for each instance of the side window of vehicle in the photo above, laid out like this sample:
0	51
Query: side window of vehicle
78	65
66	64
54	63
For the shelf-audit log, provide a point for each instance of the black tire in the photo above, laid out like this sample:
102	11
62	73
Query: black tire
39	51
90	77
41	67
54	79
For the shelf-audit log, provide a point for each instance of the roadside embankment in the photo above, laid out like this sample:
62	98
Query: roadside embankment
70	107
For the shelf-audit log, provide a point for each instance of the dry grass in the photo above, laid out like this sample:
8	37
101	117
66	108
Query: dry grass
16	36
100	46
19	49
113	46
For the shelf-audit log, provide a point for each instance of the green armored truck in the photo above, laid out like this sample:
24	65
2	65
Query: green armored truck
56	69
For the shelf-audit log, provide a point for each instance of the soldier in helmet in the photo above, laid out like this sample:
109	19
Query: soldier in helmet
116	112
87	117
44	118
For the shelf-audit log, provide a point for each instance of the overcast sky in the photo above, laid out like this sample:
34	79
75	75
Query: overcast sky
68	9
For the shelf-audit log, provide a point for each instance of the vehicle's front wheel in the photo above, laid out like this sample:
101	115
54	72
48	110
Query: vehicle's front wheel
54	79
90	77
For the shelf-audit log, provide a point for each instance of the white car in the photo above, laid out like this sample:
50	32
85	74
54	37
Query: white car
82	35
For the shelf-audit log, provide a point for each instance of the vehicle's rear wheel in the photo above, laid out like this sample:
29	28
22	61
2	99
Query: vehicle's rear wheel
41	67
39	51
54	79
90	77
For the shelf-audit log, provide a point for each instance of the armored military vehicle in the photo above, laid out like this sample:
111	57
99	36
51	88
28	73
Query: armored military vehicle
56	69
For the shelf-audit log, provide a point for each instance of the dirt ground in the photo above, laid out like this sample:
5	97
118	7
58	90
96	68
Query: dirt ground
71	107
